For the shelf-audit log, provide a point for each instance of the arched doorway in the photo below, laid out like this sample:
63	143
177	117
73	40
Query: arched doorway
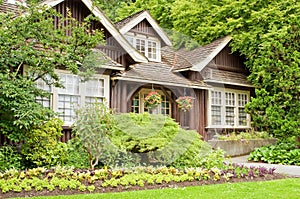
137	102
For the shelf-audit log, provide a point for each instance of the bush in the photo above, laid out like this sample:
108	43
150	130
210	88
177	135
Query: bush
245	136
282	152
159	140
9	158
42	147
93	126
77	156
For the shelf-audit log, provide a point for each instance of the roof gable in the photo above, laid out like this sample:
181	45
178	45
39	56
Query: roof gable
200	57
130	22
136	56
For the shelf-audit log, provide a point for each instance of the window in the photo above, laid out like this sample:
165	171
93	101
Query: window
227	108
137	105
147	45
66	100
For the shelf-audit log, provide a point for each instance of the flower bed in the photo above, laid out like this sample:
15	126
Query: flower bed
40	181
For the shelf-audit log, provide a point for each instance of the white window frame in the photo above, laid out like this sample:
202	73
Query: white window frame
55	92
223	108
132	39
159	108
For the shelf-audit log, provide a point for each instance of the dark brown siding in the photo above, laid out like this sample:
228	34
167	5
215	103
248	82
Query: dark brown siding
80	12
228	61
144	28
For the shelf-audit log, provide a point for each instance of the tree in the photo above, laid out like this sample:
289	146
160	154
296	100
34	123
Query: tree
159	9
92	127
31	49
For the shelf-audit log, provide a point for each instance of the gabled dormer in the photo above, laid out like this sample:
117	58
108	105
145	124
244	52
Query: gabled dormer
144	33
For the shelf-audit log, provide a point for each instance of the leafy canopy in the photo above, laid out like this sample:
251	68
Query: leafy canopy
31	49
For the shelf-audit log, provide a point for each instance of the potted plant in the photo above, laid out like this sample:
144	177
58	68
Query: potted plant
185	103
152	99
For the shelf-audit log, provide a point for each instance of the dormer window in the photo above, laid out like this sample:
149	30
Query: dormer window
149	46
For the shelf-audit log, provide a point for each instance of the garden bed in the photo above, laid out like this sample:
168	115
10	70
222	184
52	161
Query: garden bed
42	182
241	146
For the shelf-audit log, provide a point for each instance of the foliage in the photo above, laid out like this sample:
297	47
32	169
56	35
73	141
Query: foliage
42	148
266	33
153	98
31	49
280	153
93	126
77	157
9	158
159	140
159	9
244	136
61	178
185	103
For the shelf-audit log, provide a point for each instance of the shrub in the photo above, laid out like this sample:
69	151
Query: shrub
93	126
9	158
282	152
244	135
159	140
77	156
42	147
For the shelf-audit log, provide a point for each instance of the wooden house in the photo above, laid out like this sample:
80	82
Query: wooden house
140	59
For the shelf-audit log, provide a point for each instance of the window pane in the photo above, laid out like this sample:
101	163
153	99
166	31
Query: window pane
140	45
243	99
44	101
66	106
242	117
94	87
90	100
71	84
216	98
135	106
229	116
229	99
216	115
152	48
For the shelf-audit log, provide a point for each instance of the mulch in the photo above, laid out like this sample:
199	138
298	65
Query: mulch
172	184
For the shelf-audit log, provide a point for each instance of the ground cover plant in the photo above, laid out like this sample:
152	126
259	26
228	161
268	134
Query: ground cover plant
283	152
283	188
59	180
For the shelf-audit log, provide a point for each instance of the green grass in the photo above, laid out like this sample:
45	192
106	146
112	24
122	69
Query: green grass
284	188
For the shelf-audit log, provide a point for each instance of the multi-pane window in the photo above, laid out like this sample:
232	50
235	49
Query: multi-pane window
141	45
75	93
68	97
165	105
242	100
148	46
152	50
137	105
227	108
216	105
45	101
94	91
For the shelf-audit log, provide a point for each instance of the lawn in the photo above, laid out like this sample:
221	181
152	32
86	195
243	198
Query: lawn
284	188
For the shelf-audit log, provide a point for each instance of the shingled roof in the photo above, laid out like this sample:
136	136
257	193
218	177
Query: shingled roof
196	59
126	20
158	73
10	8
